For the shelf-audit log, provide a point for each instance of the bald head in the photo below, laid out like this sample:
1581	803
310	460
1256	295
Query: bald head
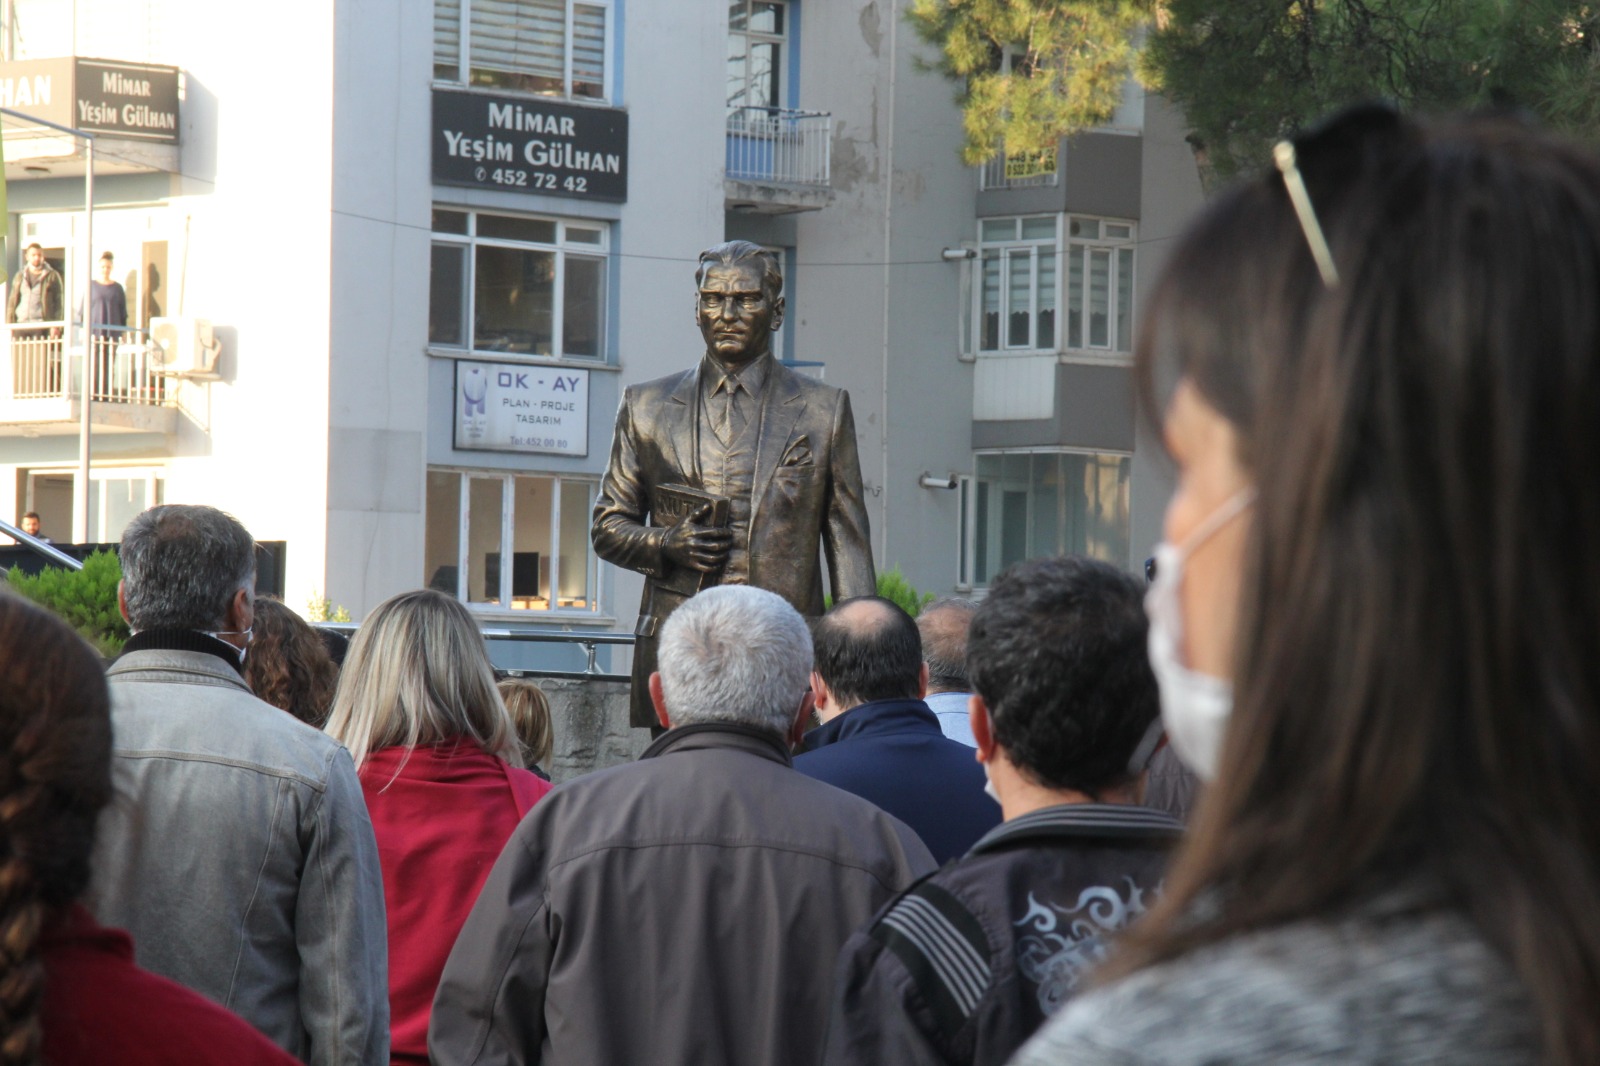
943	625
868	649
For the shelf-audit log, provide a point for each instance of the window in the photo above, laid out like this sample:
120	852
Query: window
756	42
531	286
549	47
1019	505
1017	289
498	540
116	497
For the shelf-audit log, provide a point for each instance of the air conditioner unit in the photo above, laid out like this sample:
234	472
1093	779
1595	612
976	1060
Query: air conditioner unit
184	347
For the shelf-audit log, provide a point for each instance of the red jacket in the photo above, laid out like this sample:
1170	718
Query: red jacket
441	824
100	1008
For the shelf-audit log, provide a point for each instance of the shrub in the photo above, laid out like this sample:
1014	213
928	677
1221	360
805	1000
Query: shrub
893	586
85	599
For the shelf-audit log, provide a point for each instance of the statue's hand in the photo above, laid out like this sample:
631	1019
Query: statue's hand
697	547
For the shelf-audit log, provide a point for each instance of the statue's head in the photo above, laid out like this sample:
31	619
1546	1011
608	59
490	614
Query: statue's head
739	300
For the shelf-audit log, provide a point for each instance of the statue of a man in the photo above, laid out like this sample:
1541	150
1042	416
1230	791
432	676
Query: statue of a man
733	472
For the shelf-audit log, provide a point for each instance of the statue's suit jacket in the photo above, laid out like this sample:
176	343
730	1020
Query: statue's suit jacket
806	491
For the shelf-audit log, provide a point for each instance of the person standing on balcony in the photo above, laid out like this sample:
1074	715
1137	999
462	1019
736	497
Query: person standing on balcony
108	318
35	295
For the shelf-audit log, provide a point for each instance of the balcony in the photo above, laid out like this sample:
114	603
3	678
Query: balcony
38	399
778	161
1020	170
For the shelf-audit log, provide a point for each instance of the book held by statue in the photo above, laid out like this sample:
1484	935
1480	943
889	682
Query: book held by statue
671	504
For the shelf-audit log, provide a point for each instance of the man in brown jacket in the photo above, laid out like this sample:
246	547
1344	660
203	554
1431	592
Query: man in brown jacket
779	446
687	908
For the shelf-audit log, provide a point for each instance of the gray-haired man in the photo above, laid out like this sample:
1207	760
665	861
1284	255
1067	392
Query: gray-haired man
238	853
686	908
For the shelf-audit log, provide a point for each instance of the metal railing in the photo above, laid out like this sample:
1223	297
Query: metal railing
1020	170
773	144
122	366
589	642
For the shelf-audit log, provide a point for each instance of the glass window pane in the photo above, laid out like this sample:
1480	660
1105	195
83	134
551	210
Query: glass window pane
764	73
1019	278
506	227
1039	229
1086	227
449	221
519	44
1075	296
581	235
738	15
447	295
447	40
572	587
982	564
1099	298
766	16
991	302
441	551
125	501
1047	296
514	289
580	308
484	508
1118	232
1124	338
998	229
737	95
1045	523
963	563
964	309
531	499
589	51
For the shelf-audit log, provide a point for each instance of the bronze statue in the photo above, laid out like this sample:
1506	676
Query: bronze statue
734	471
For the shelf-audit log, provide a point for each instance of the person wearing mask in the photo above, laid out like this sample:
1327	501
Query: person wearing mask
1376	613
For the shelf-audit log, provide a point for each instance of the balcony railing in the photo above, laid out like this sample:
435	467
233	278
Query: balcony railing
1020	170
121	366
778	146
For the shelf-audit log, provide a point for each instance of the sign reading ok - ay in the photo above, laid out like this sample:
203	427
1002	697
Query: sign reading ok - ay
529	145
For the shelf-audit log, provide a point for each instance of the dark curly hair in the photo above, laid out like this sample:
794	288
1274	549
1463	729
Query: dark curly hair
55	776
288	664
1057	651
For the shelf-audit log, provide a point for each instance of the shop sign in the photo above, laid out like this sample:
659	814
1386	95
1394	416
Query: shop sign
525	144
521	407
133	100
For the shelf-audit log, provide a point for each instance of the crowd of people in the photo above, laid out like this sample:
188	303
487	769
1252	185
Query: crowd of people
1372	636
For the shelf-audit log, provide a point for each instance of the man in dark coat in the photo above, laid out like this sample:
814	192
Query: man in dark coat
686	908
880	740
779	447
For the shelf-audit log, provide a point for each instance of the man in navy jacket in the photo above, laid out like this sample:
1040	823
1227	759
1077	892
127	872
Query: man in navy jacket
879	740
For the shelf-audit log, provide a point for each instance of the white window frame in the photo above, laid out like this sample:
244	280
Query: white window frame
464	53
781	83
100	476
967	525
507	479
1118	349
561	247
1007	249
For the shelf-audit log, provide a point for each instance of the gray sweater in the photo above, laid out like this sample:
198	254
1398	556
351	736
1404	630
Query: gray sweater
1381	986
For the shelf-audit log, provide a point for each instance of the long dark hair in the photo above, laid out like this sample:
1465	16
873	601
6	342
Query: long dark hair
55	776
1417	683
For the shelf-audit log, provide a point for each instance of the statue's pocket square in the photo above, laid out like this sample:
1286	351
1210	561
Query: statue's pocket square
799	454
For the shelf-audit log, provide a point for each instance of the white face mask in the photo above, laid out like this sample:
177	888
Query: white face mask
247	634
1194	707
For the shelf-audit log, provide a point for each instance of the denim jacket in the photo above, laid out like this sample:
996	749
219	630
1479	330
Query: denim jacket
238	853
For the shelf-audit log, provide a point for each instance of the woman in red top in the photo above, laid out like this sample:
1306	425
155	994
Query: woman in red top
70	994
440	765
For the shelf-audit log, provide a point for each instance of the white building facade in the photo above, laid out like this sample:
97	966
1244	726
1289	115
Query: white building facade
433	241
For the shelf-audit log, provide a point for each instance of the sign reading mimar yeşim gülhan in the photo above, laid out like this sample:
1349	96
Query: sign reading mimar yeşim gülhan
136	100
524	144
520	407
127	99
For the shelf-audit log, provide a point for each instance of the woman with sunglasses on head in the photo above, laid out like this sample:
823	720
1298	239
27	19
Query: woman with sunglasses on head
1376	619
441	767
70	994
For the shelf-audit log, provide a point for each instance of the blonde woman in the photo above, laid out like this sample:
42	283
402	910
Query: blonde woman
441	767
530	710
